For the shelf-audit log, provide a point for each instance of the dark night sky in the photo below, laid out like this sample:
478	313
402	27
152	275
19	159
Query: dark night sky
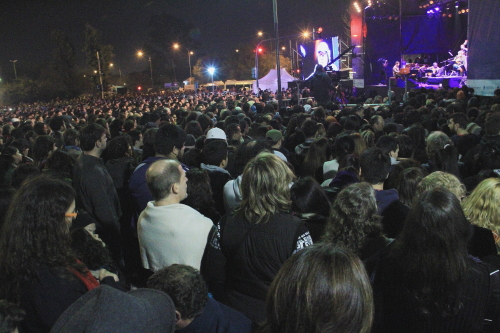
25	25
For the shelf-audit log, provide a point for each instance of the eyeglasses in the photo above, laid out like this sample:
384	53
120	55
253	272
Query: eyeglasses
72	215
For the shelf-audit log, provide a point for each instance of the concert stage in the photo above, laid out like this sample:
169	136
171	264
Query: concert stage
444	81
398	85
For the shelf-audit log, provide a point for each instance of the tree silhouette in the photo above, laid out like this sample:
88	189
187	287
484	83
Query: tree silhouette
64	62
93	45
165	31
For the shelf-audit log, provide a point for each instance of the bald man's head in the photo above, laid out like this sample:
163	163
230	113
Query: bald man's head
161	176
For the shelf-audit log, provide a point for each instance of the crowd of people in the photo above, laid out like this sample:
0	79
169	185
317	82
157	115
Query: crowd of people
222	212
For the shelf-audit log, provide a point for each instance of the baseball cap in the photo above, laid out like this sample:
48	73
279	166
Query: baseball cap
274	135
106	309
216	133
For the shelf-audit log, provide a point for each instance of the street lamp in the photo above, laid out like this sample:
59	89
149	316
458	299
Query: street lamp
263	34
14	64
140	54
190	53
211	71
111	65
257	50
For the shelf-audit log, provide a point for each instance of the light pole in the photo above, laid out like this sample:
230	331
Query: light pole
211	71
278	66
141	54
100	74
304	34
190	53
267	36
14	64
257	60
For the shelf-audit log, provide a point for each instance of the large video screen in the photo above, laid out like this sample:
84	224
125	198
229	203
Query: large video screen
320	51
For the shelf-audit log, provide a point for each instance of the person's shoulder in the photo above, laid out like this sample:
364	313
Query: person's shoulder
190	212
231	319
286	217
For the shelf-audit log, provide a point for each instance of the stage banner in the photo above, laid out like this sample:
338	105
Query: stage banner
483	72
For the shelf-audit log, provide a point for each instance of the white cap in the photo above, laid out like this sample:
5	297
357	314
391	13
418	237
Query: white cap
216	133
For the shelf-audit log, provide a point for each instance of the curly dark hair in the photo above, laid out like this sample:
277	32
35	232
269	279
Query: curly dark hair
11	315
61	164
118	147
184	285
353	217
35	233
199	192
23	172
91	251
42	148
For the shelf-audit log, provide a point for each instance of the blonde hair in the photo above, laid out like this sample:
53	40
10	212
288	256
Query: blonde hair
442	179
265	188
481	207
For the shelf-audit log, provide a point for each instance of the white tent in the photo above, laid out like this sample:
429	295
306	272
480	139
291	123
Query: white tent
270	81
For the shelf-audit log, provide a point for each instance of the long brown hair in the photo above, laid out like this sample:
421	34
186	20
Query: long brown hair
321	288
433	248
35	233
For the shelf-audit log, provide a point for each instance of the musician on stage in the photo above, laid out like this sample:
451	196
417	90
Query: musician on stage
460	62
464	48
395	70
383	75
436	70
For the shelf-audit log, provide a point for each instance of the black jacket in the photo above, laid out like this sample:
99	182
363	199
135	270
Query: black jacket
320	84
95	191
254	254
